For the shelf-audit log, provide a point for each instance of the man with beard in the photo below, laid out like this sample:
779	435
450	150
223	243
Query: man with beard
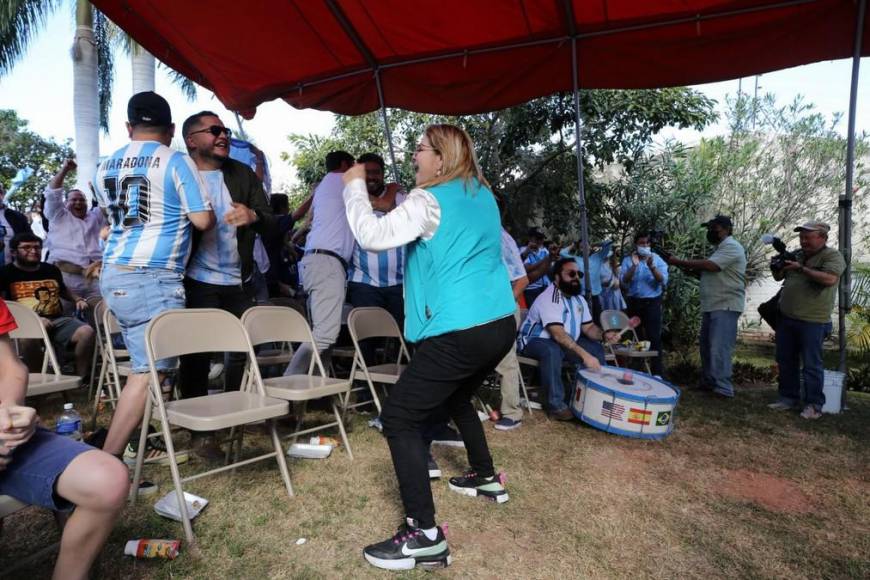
220	272
74	234
722	293
559	327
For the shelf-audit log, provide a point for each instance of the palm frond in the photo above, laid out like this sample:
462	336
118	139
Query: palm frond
187	86
20	20
105	66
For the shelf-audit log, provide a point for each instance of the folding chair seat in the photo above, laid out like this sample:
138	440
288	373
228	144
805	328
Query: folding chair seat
367	323
43	382
179	332
282	324
618	320
9	505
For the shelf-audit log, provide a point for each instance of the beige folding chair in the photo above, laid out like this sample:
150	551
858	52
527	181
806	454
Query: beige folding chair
519	316
114	362
30	327
282	324
373	322
178	332
618	320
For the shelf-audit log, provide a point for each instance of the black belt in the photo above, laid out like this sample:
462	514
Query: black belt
328	253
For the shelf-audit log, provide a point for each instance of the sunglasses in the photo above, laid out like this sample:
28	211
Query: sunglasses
215	130
572	273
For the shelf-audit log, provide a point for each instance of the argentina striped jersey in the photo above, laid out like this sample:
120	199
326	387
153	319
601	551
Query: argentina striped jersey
148	190
379	269
554	307
216	260
534	258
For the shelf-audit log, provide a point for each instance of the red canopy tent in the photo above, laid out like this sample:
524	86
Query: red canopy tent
470	56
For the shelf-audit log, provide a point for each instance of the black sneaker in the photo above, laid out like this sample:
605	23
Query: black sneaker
409	548
434	470
473	485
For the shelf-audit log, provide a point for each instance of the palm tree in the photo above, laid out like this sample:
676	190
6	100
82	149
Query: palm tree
92	67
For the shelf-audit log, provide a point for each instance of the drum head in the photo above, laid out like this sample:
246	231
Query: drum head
642	385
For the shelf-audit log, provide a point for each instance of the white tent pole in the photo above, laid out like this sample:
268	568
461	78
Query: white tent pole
581	189
386	125
845	241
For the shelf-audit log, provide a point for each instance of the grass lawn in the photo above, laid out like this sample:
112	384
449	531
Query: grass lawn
736	491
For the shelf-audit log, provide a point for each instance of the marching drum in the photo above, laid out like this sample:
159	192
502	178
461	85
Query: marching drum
625	402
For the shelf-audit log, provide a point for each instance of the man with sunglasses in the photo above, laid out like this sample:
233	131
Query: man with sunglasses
220	271
559	327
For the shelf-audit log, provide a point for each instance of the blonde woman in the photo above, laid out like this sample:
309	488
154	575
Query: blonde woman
458	309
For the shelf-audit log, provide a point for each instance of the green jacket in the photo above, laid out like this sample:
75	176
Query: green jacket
246	188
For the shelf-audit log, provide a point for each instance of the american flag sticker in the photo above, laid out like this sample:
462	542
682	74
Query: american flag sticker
612	410
639	416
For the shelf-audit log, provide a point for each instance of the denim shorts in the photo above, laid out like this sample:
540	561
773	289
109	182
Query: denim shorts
37	465
135	296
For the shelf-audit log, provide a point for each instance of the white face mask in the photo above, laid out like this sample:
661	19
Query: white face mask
644	251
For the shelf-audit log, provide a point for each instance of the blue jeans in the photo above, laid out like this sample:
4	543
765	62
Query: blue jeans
796	341
135	296
718	337
550	357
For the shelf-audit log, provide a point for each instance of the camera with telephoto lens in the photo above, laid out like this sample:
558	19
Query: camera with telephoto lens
777	263
657	243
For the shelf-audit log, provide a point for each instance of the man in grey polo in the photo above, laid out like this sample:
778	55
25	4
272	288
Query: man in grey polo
723	293
324	267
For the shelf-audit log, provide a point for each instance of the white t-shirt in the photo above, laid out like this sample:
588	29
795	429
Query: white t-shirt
510	255
554	307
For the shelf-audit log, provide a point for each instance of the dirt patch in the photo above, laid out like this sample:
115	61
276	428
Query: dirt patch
770	492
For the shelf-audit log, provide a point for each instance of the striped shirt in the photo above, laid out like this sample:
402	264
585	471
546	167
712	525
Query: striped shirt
378	269
217	260
148	190
554	307
534	258
510	255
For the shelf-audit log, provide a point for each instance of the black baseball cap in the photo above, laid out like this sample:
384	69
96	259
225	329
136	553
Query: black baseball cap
536	233
721	220
148	108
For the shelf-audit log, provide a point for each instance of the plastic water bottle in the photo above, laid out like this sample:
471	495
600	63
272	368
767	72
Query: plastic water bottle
69	424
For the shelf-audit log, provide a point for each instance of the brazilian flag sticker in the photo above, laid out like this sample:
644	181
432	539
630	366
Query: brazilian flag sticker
663	418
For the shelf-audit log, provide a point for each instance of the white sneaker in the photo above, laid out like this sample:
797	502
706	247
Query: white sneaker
811	412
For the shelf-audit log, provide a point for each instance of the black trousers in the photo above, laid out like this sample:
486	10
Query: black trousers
650	312
445	372
193	369
390	298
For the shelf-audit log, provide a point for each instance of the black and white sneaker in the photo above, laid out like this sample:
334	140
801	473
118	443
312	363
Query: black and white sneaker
408	548
473	485
434	470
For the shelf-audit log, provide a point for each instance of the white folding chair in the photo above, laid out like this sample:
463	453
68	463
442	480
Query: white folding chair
618	320
371	322
30	327
178	332
282	324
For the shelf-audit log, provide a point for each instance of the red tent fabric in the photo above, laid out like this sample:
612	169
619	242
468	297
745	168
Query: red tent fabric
471	56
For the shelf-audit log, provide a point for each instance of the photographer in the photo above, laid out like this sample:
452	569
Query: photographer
722	293
805	316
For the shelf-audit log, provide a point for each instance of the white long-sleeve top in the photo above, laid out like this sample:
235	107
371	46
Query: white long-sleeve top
72	239
417	217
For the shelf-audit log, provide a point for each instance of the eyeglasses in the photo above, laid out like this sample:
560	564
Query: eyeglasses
572	274
422	147
29	248
215	130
